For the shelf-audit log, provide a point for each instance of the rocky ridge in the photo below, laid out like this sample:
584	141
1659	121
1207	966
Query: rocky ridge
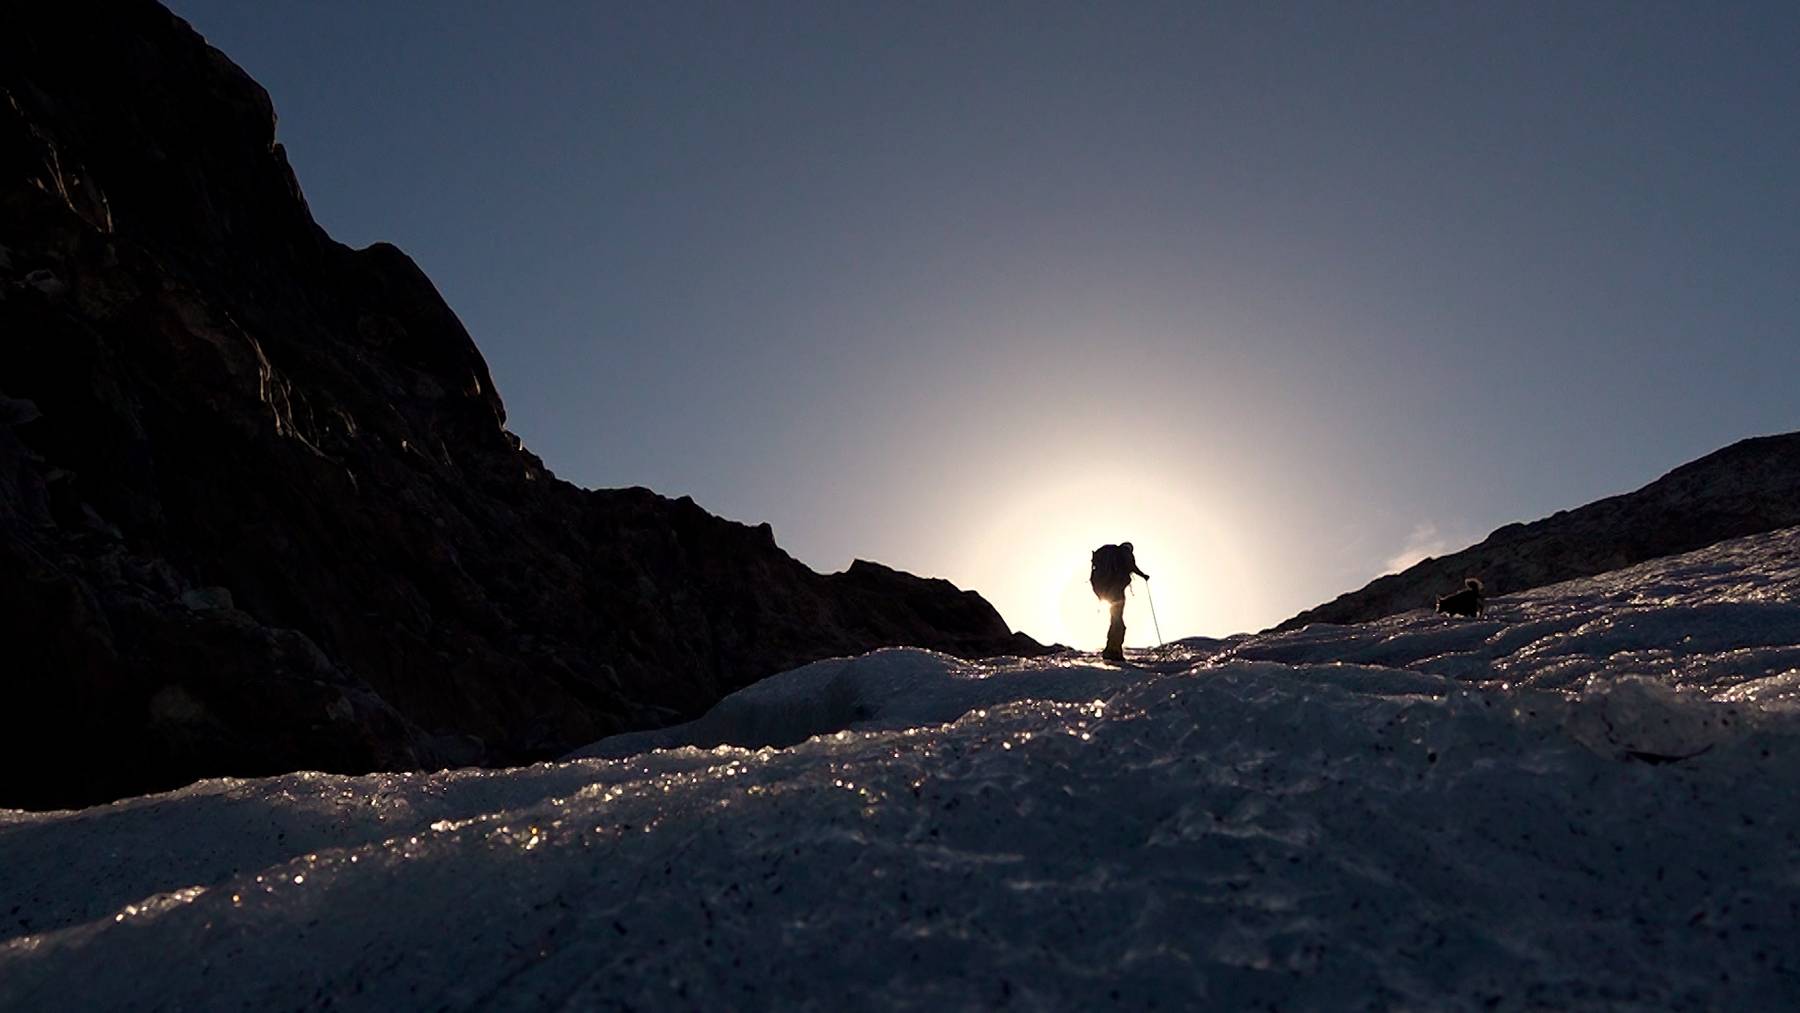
259	508
1747	488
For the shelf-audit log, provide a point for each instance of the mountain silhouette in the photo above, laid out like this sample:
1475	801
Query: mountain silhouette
259	507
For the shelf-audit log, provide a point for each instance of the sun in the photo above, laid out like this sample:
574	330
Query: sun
1031	560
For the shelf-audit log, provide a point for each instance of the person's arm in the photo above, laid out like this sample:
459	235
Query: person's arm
1139	572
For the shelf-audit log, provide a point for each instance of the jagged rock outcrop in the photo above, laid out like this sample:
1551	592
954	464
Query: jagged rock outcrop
259	510
1747	488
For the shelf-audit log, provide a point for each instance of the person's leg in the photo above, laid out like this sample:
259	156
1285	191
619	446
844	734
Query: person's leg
1115	634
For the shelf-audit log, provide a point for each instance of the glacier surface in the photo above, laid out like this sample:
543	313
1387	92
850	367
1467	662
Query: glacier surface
1585	799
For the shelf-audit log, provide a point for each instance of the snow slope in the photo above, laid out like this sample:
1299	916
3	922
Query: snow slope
1587	799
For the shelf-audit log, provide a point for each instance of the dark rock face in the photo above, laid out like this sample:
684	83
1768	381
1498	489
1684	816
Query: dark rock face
1747	488
259	510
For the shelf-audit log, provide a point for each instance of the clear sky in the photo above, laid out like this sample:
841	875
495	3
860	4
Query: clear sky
1286	294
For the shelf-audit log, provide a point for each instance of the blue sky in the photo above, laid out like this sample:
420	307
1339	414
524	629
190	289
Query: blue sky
1283	293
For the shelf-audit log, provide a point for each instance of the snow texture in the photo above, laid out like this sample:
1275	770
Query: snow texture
1585	799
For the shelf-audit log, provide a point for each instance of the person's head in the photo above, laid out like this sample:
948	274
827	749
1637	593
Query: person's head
1125	545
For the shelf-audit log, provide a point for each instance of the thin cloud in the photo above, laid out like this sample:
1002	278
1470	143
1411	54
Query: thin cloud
1424	542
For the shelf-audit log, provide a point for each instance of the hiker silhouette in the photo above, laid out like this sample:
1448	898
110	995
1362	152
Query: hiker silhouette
1112	569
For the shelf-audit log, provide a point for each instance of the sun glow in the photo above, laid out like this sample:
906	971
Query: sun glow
1031	561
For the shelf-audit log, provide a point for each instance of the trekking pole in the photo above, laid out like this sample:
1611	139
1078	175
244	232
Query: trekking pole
1152	600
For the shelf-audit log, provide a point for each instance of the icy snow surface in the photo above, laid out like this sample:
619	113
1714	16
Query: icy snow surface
1586	799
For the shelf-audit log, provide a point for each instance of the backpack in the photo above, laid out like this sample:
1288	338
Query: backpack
1109	569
